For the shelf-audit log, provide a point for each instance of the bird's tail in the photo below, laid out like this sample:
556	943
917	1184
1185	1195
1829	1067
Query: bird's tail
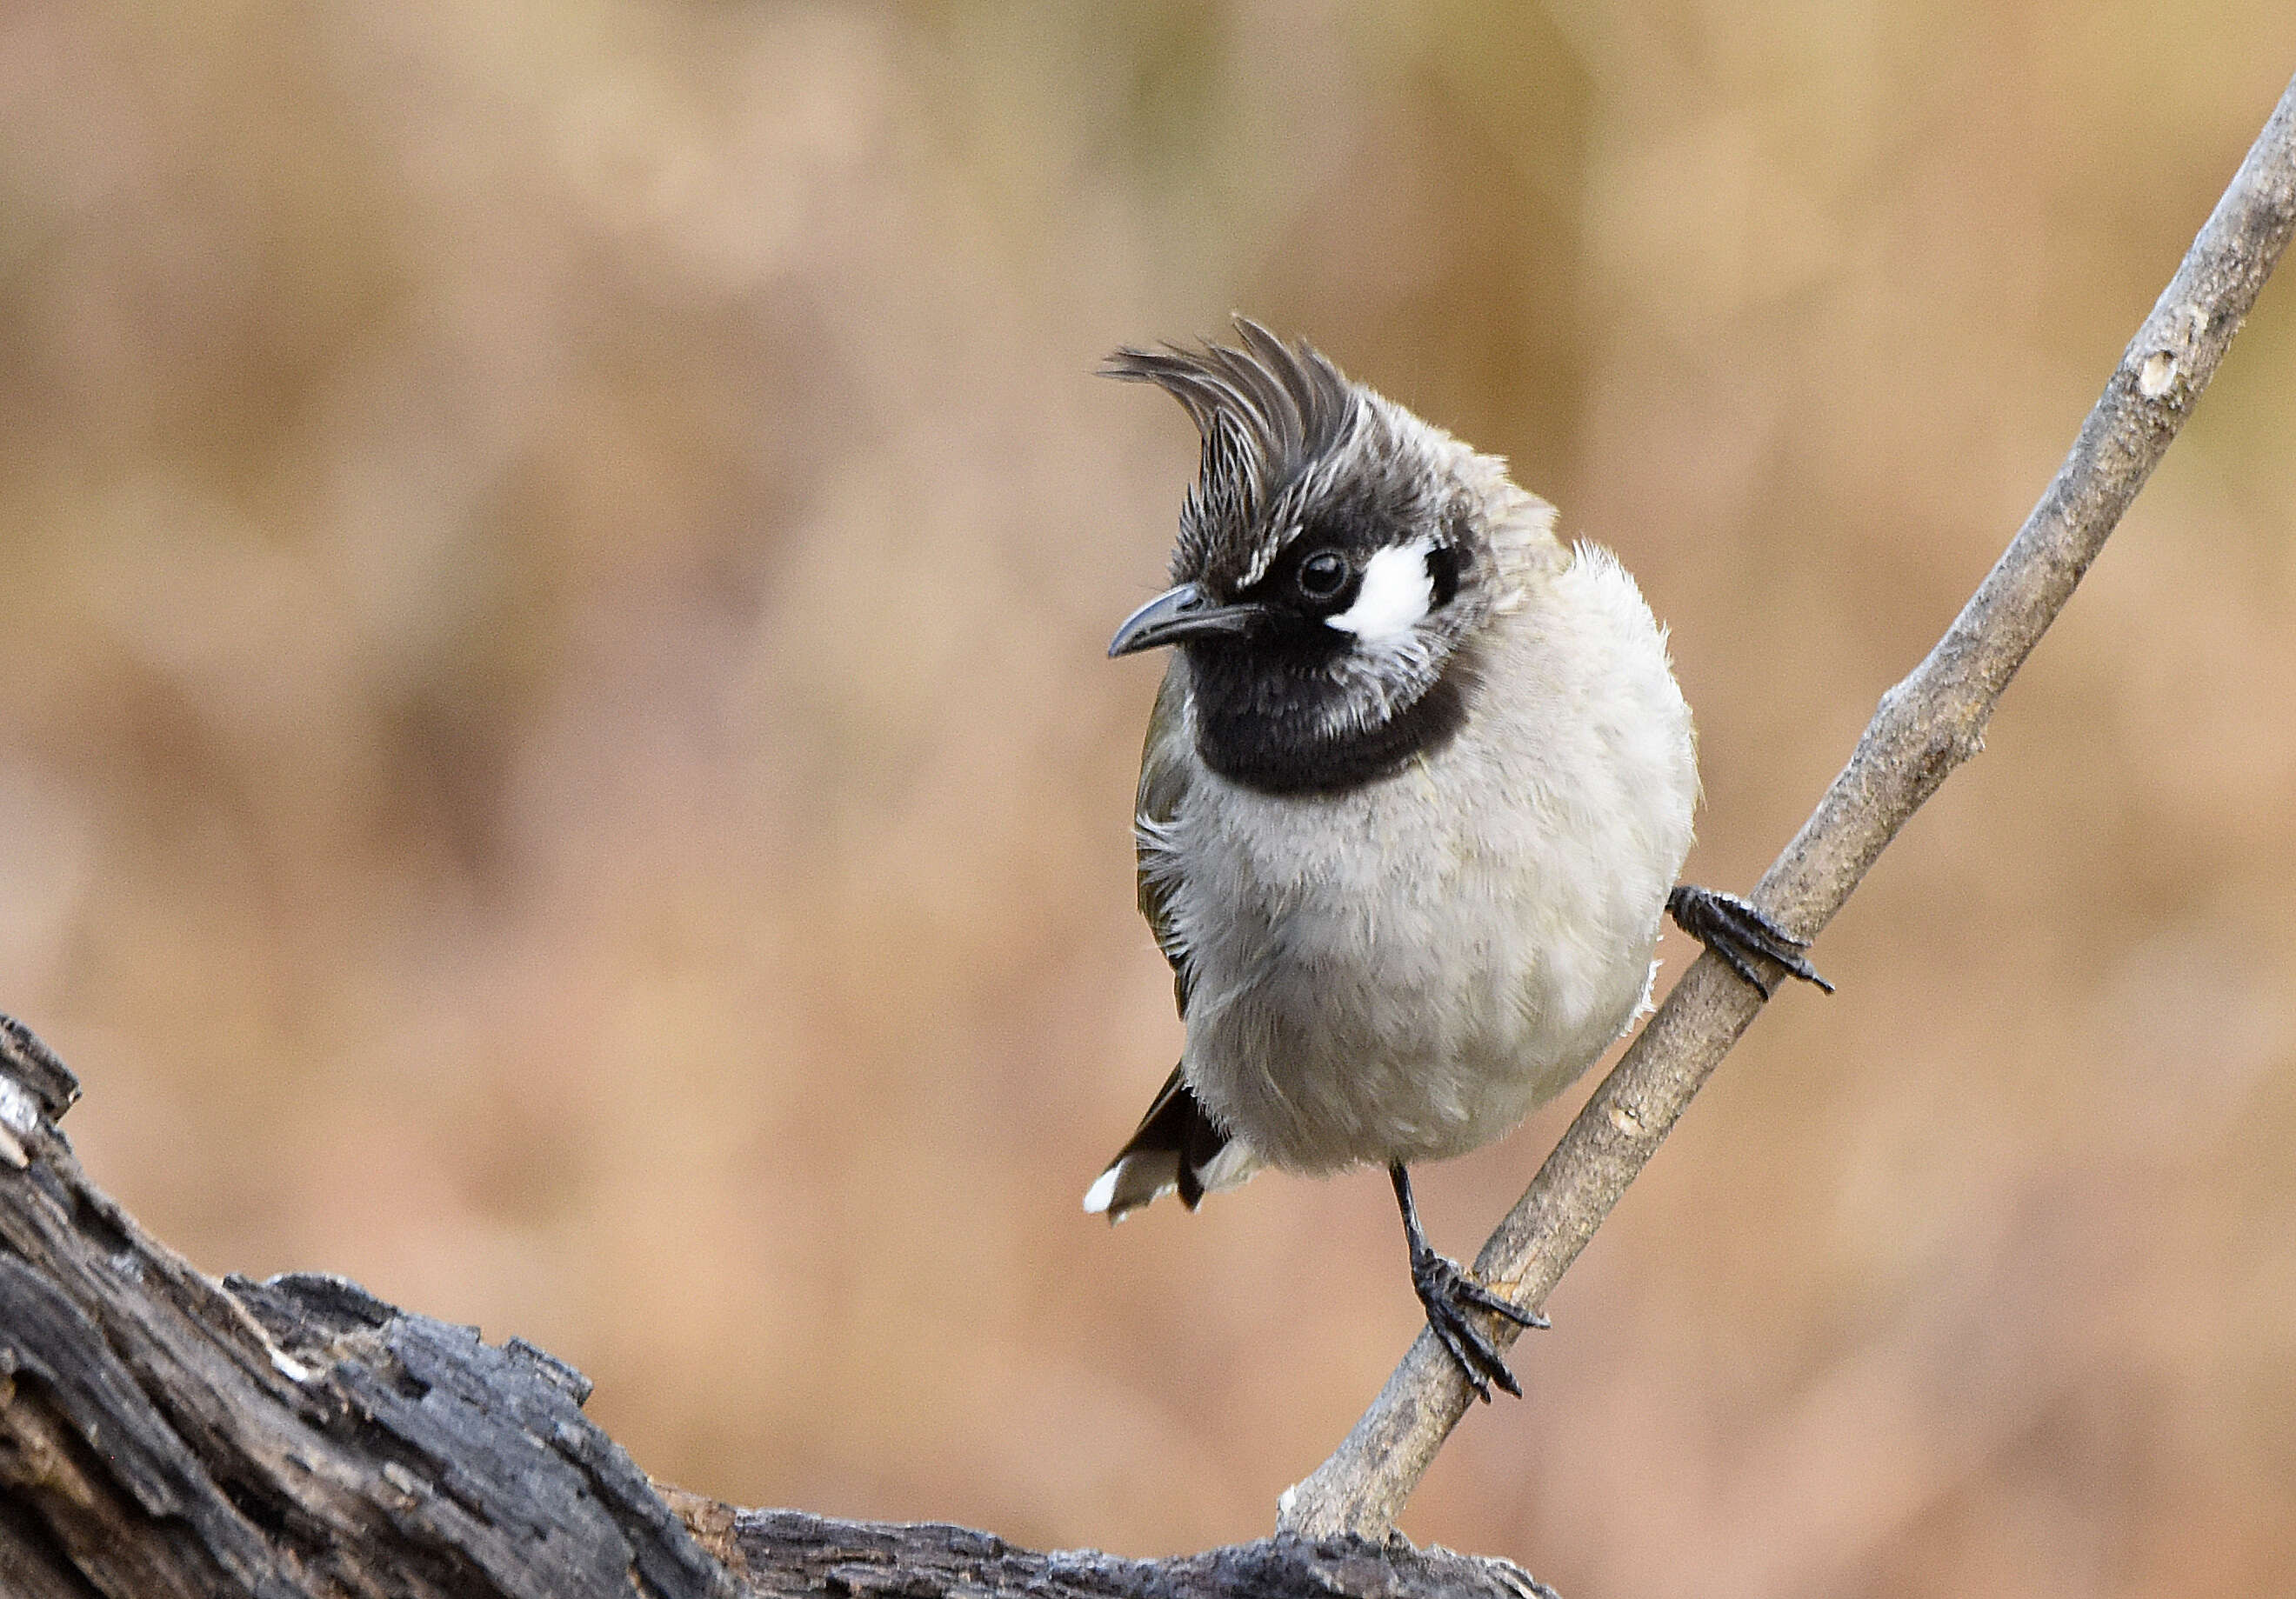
1178	1146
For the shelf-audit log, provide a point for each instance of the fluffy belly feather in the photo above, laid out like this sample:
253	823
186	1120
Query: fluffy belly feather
1346	1036
1383	986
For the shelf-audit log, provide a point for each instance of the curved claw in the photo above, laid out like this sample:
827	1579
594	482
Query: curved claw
1739	933
1450	1295
1447	1292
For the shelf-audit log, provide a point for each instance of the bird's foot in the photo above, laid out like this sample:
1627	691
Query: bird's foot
1740	934
1450	1297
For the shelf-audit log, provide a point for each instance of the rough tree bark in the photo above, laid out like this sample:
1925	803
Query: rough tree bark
166	1435
163	1434
1926	726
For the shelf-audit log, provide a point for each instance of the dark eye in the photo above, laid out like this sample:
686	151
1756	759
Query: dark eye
1323	574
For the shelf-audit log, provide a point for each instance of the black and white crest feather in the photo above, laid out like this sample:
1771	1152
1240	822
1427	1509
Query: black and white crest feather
1269	413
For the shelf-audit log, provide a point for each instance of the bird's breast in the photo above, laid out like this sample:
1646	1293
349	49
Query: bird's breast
1401	972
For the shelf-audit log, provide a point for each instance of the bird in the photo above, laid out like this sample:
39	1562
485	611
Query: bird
1415	793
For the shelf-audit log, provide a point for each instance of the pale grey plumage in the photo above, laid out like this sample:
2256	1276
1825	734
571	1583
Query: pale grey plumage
1416	791
1403	970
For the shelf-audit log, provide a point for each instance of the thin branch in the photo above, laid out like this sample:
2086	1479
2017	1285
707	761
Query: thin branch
1925	727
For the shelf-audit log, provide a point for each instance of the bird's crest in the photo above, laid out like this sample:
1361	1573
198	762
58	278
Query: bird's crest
1270	414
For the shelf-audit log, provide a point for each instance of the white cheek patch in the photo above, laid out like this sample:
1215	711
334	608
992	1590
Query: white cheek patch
1396	595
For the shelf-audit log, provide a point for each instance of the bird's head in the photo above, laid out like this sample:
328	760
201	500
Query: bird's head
1337	561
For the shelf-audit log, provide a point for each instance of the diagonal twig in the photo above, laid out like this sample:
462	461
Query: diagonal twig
1925	726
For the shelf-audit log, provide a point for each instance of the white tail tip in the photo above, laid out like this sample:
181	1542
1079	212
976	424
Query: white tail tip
1103	1190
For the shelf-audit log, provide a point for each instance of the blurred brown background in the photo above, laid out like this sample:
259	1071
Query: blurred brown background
556	758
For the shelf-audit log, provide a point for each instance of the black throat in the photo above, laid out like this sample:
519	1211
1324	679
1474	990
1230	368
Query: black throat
1262	719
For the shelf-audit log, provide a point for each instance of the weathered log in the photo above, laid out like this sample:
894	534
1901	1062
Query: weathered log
163	1434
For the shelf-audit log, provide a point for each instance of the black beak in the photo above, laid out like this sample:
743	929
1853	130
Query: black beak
1177	614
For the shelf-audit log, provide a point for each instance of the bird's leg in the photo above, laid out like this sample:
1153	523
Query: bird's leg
1739	933
1448	1293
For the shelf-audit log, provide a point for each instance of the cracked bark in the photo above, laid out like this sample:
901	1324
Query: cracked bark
165	1434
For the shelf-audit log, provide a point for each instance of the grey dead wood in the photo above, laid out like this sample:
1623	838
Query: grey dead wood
165	1435
1925	726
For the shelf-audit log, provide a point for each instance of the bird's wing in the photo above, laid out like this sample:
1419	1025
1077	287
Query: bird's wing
1164	778
1177	1145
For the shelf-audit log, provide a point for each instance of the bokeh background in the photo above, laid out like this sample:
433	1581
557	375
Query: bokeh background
555	756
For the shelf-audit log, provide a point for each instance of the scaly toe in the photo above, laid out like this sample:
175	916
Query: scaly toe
1448	1296
1739	933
